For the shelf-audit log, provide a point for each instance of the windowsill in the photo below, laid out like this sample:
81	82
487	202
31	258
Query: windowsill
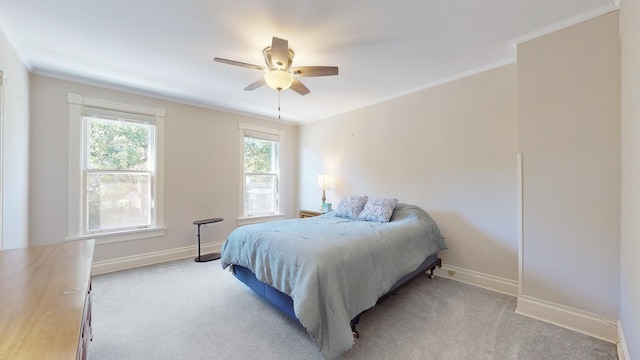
260	219
120	236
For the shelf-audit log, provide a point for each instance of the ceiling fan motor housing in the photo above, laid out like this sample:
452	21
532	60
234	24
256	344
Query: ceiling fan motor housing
267	59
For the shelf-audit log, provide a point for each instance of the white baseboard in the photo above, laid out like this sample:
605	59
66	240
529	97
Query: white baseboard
490	282
129	262
568	317
564	316
623	350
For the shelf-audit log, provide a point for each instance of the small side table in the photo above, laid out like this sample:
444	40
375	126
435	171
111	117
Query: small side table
308	213
207	257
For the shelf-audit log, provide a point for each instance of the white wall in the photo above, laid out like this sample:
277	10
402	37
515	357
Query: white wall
202	165
16	149
569	129
630	213
450	149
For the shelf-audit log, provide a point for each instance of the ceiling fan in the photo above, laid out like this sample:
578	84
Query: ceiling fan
279	75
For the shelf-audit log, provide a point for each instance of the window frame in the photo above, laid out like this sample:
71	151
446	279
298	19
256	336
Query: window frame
78	106
90	114
266	134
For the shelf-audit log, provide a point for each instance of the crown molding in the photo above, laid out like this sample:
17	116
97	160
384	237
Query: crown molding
613	6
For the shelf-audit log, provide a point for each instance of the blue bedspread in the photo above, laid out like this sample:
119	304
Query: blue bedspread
334	268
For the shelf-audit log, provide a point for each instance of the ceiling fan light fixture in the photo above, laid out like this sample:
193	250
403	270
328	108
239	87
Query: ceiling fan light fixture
279	75
278	79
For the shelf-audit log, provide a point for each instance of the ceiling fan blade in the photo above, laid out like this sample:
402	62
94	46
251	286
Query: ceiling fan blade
238	63
255	85
315	71
299	87
280	53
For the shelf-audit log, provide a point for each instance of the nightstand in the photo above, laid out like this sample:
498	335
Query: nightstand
309	213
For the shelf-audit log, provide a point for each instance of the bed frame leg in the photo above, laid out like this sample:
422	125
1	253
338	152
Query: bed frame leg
354	322
438	264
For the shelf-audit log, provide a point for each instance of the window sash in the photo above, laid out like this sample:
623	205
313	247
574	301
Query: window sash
254	202
126	208
274	156
148	215
249	208
151	141
261	194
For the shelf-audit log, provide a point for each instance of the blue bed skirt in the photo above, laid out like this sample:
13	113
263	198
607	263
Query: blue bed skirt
283	302
276	297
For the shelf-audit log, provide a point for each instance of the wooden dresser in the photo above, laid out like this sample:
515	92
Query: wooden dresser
45	301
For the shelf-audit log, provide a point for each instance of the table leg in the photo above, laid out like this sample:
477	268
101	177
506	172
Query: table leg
207	257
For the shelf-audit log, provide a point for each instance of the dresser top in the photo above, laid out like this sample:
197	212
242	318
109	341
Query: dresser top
42	297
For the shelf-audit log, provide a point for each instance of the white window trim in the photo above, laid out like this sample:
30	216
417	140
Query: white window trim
76	136
259	219
244	220
126	235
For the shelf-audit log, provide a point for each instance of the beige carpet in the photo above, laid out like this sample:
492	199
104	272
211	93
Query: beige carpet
188	310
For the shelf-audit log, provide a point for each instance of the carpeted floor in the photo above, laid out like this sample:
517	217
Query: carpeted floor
189	310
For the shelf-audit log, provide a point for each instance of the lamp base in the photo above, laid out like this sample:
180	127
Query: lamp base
207	257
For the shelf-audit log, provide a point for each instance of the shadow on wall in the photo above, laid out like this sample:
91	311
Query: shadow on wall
471	248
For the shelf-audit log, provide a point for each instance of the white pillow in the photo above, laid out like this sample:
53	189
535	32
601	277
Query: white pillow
378	210
350	206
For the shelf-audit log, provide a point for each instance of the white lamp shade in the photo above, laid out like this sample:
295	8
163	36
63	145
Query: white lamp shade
278	79
324	181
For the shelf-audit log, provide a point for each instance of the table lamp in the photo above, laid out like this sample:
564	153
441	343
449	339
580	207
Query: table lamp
324	183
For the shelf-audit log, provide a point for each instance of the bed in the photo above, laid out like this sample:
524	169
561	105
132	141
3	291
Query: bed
324	271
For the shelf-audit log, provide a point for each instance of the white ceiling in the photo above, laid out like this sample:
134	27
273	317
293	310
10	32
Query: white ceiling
384	49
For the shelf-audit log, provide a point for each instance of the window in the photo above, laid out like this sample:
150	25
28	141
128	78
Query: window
115	170
119	155
260	171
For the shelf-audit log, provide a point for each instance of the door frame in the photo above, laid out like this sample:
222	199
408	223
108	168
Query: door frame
3	81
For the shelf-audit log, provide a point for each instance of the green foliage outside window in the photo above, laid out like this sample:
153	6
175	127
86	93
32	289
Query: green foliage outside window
261	180
117	199
117	145
258	155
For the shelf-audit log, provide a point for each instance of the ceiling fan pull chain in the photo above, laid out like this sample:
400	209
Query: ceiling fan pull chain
279	91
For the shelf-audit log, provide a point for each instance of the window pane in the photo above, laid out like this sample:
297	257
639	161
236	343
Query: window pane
118	200
261	197
260	156
117	145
